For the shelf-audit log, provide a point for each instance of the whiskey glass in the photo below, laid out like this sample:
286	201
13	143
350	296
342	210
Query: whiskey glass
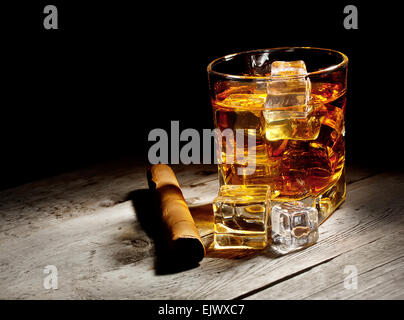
290	104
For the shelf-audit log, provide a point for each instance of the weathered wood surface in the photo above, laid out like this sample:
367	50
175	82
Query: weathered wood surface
84	224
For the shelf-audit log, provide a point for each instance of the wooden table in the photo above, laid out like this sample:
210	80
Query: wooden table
84	224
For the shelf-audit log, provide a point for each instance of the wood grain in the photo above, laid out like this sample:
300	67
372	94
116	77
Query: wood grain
83	223
380	268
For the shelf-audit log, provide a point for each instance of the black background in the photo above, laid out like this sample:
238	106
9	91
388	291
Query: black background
92	90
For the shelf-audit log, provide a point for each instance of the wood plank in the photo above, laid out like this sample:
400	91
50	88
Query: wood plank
360	221
380	268
101	250
86	191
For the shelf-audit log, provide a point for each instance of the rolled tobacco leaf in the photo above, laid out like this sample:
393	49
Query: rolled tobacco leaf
183	236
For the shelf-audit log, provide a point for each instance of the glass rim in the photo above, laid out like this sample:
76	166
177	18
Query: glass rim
241	77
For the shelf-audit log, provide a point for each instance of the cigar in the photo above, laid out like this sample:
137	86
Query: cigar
183	236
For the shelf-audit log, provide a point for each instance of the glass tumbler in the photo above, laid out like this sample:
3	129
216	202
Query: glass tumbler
280	140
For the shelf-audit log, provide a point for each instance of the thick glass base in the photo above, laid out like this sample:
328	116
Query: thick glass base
256	240
241	213
331	199
294	225
328	201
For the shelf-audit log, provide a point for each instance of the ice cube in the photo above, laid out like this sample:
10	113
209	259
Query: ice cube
288	68
294	226
288	114
289	95
241	216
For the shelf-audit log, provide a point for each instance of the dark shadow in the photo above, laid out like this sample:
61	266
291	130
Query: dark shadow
168	259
